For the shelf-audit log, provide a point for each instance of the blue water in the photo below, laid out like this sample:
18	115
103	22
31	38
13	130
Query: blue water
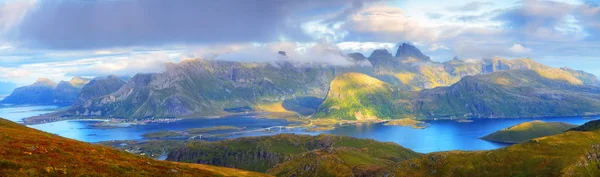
17	113
440	135
84	131
444	135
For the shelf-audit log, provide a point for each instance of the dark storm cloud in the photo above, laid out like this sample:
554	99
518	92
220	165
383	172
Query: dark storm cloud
99	24
542	20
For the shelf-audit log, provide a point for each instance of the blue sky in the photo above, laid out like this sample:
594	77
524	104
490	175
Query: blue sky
62	39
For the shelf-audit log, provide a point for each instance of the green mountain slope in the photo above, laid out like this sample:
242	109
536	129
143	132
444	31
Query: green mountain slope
207	87
28	152
502	94
262	153
527	131
511	94
356	96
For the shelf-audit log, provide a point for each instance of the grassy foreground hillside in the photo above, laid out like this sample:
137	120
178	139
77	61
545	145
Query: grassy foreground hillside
262	153
28	152
571	153
527	131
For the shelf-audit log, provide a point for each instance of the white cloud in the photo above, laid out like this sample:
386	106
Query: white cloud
301	53
519	49
364	47
126	65
388	23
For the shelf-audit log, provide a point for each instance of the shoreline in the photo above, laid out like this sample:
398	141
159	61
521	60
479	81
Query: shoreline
304	121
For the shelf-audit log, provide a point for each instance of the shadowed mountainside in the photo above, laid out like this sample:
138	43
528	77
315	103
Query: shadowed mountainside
46	92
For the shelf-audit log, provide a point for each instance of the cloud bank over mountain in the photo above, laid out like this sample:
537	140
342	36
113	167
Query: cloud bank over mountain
100	37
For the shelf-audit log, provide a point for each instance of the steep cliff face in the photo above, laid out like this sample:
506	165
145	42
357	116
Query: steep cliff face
262	153
207	87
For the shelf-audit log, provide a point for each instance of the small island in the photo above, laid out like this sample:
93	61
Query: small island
526	131
407	122
192	132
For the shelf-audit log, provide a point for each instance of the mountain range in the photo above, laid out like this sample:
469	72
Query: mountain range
380	86
45	91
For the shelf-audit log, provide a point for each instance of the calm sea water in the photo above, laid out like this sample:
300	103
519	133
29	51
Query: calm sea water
441	135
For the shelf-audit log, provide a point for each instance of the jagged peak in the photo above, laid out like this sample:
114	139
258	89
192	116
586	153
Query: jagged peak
406	50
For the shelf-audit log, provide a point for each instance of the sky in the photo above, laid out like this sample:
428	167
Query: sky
61	39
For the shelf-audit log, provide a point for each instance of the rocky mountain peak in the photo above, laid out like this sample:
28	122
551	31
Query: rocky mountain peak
78	81
44	82
113	77
357	56
406	51
282	53
380	53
